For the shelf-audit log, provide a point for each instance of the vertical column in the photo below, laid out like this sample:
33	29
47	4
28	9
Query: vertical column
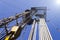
34	36
44	33
32	31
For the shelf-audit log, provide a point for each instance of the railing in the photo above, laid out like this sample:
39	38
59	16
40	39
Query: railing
2	34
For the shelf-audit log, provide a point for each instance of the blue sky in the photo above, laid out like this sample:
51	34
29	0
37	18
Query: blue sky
11	7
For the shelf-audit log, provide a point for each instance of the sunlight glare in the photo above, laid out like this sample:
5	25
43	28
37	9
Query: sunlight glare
58	2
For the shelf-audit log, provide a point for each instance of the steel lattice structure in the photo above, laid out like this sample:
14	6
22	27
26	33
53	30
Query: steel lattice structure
36	17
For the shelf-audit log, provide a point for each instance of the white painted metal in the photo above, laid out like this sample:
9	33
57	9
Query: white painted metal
32	30
44	33
14	28
35	30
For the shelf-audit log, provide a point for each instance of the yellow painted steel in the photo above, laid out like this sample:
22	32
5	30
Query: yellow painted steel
7	37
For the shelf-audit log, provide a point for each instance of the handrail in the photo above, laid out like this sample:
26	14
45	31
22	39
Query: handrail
12	18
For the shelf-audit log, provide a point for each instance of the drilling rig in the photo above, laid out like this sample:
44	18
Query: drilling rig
36	16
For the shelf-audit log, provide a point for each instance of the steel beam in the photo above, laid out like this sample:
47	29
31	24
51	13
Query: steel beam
32	31
35	30
44	33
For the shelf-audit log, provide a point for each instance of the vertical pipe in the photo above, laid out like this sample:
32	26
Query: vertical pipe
44	33
34	36
32	31
6	29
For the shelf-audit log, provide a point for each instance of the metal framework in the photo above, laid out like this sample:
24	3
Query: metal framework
29	17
